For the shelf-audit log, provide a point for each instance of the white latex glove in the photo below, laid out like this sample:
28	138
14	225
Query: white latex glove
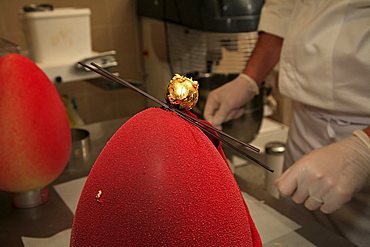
226	102
328	177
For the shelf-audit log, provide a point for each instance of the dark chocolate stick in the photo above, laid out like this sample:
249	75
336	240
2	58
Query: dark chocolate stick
203	126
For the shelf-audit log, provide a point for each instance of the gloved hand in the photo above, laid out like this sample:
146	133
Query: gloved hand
226	102
328	177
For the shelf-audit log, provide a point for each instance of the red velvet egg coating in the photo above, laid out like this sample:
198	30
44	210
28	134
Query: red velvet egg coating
35	137
160	181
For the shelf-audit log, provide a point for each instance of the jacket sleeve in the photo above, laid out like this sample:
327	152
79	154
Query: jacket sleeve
275	17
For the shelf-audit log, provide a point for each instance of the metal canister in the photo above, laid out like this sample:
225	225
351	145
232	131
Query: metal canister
274	159
80	155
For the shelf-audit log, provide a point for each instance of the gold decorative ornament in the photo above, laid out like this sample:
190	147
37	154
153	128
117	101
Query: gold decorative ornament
98	195
182	92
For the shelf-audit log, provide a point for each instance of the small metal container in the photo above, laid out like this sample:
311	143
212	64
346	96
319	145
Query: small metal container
30	199
80	154
274	159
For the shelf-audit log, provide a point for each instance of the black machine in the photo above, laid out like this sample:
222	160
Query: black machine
228	16
208	40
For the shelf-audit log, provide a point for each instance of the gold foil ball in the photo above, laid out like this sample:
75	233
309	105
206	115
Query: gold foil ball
182	92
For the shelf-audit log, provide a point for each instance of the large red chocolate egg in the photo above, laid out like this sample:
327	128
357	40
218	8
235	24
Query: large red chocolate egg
35	137
160	181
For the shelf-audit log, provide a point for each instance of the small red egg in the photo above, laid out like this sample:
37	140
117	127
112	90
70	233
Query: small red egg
35	137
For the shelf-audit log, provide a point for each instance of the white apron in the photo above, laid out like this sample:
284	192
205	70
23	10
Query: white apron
313	128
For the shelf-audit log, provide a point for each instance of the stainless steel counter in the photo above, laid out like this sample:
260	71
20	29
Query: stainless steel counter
54	216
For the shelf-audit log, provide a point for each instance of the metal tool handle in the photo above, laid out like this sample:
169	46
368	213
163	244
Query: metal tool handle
105	60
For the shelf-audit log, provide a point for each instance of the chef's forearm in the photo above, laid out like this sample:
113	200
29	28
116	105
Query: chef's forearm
264	57
364	136
367	131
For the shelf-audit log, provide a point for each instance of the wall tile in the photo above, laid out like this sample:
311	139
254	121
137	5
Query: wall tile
101	38
11	14
118	12
128	51
2	20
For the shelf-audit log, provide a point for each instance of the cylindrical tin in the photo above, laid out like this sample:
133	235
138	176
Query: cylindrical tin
274	159
80	155
30	199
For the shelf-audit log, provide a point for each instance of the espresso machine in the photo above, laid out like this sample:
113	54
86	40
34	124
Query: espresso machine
208	40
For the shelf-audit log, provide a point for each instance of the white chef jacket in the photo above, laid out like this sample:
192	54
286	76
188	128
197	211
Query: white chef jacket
325	66
325	59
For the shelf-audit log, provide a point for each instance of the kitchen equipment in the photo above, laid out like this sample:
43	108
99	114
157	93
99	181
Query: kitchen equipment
210	40
228	16
58	38
59	34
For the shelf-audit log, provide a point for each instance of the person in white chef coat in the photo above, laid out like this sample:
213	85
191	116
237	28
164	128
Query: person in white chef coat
323	50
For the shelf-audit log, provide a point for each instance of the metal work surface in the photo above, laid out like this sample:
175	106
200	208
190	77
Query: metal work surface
54	216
